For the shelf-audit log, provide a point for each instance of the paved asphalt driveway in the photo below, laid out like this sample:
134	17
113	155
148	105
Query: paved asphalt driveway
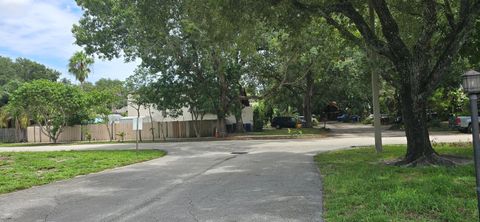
198	181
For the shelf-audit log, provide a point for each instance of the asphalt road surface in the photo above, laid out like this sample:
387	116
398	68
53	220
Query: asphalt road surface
276	180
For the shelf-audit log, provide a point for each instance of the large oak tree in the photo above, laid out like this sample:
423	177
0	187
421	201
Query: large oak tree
421	39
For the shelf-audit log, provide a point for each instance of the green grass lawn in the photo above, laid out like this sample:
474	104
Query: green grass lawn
358	186
21	170
70	143
77	143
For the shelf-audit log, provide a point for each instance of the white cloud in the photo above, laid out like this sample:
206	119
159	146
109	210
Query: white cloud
36	28
42	29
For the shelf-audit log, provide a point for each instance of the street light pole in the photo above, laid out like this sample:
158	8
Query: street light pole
471	85
476	142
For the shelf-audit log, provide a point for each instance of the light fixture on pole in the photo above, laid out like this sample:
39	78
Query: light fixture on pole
471	85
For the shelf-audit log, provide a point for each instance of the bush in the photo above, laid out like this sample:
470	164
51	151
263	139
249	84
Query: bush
88	136
367	121
295	132
122	136
257	120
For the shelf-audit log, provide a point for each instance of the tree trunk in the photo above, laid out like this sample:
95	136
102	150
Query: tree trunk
414	112
139	132
239	123
238	117
222	108
161	132
110	133
221	125
415	119
196	123
17	126
151	123
307	100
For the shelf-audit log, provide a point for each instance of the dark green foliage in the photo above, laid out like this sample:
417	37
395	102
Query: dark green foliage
52	105
116	88
258	119
14	73
24	70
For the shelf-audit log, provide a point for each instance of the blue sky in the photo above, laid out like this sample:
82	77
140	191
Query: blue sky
40	30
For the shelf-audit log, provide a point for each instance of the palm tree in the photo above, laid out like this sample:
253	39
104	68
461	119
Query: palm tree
17	116
79	65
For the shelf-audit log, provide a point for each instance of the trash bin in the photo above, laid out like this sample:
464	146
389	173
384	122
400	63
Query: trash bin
248	127
231	128
355	118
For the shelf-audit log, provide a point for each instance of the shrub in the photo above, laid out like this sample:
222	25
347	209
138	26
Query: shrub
295	132
122	136
257	120
367	121
88	136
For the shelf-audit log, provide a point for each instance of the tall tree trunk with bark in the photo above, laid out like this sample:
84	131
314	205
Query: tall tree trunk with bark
152	129
238	116
239	122
197	123
416	130
222	107
110	132
221	125
307	99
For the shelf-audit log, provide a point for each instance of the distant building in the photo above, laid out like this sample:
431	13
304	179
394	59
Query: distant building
160	116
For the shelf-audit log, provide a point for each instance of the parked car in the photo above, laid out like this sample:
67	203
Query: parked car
342	118
302	120
284	122
464	124
347	118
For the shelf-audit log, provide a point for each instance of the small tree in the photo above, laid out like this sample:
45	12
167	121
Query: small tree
49	104
138	94
101	105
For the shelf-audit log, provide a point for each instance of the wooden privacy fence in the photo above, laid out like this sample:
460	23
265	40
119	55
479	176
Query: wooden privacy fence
10	135
98	132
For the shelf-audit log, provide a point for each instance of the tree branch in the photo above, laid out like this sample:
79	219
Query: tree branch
347	9
422	46
449	14
450	45
391	31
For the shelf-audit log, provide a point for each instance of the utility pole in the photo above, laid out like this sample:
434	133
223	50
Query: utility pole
137	131
375	87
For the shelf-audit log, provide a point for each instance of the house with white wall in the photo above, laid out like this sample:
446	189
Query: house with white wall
160	116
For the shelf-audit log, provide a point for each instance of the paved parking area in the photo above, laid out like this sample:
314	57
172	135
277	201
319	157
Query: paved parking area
276	180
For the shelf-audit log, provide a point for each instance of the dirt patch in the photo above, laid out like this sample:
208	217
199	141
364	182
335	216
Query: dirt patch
459	160
274	137
5	158
44	171
433	160
62	160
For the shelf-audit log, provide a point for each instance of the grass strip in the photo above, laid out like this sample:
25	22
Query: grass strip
22	170
358	186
